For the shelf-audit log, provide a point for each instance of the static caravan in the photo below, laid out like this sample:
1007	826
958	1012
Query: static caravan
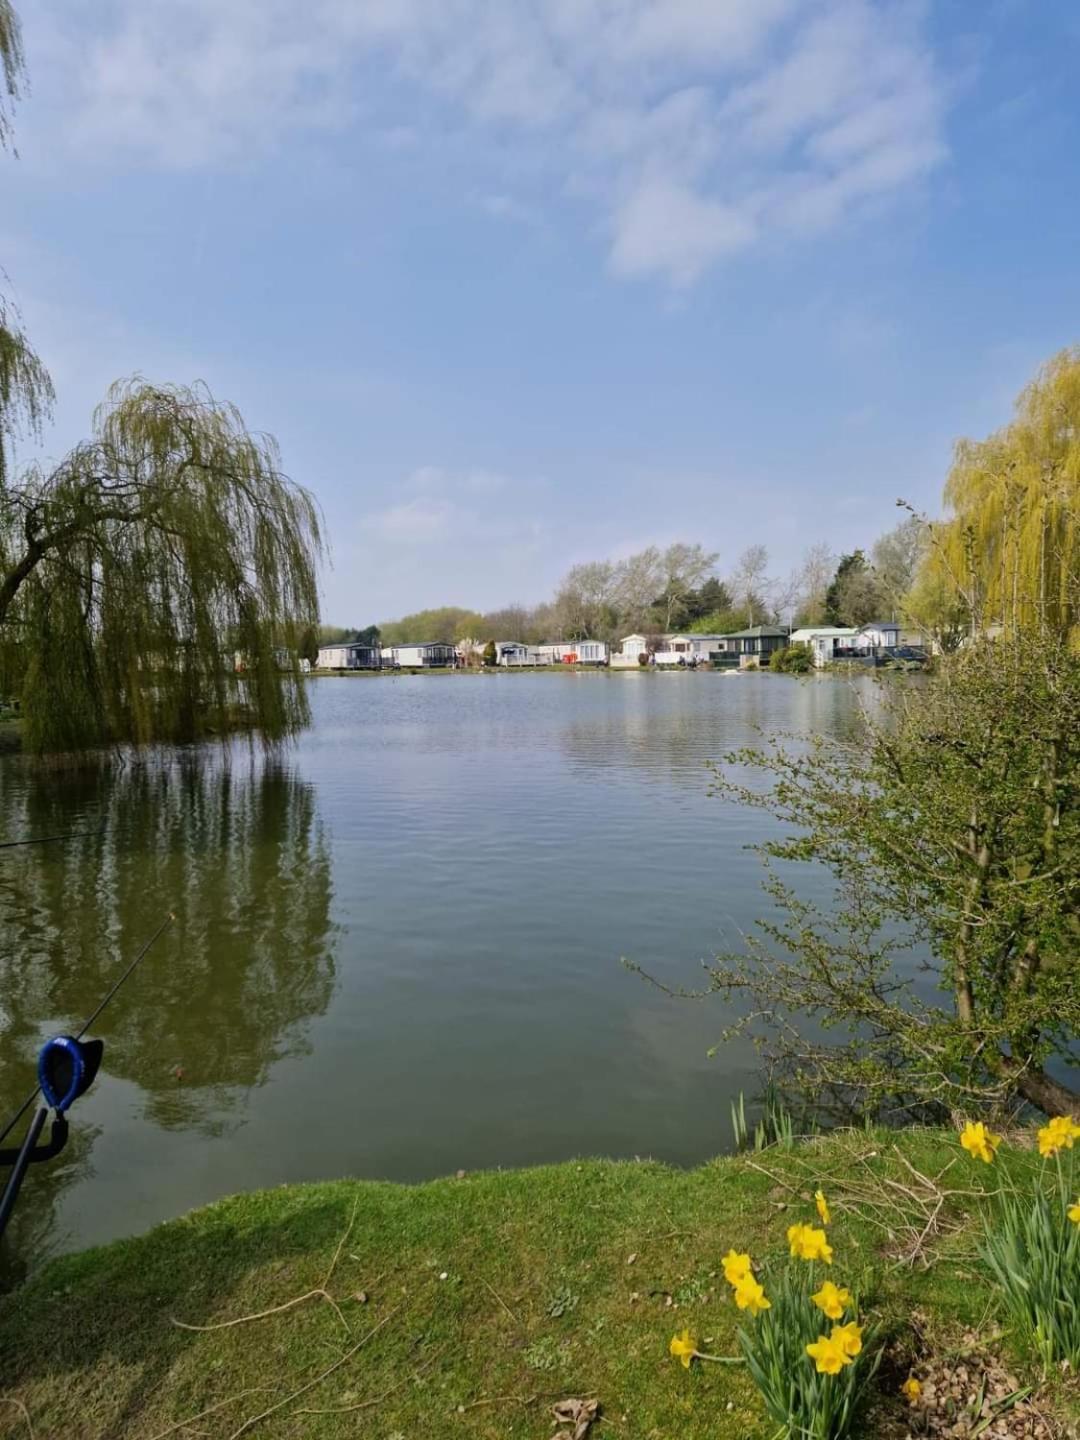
690	649
879	635
825	640
512	653
349	657
756	643
574	652
433	656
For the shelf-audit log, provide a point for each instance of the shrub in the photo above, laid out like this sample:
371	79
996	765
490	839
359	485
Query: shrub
792	660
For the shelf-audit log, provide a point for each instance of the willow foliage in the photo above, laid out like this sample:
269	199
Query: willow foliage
1010	552
11	66
26	392
134	572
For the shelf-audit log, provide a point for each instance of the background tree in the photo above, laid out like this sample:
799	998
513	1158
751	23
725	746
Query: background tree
307	647
512	622
951	827
131	572
682	569
896	557
1011	544
584	604
711	598
748	581
638	581
815	575
854	597
447	623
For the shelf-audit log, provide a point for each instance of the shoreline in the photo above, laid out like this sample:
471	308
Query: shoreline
472	1300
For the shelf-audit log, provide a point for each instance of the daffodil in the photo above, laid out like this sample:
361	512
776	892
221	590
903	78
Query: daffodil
912	1389
1058	1135
735	1267
979	1142
829	1357
1074	1212
750	1296
684	1347
809	1244
795	1239
832	1299
848	1337
822	1206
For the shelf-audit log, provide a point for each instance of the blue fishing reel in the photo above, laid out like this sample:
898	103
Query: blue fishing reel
66	1069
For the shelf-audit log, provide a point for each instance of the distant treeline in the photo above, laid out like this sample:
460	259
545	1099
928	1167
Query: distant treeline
657	591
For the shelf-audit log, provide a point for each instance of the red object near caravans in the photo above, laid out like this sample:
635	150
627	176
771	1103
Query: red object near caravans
569	659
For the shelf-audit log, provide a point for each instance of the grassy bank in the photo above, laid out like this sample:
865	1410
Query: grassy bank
467	1306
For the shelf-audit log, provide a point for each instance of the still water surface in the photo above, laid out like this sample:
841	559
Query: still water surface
397	953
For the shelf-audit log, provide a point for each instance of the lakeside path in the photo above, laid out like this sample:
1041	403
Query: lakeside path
467	1306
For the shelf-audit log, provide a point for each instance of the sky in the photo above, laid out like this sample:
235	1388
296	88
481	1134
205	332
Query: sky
521	283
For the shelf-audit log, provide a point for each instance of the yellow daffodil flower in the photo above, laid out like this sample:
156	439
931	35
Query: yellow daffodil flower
1074	1212
750	1296
912	1389
979	1142
809	1244
832	1299
828	1356
848	1337
684	1347
814	1244
735	1267
822	1207
1058	1135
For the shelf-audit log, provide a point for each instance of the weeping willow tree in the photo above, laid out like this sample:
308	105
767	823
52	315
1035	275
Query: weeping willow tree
154	585
1008	555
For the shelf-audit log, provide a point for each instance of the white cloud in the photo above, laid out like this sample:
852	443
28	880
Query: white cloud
670	227
472	536
441	505
700	128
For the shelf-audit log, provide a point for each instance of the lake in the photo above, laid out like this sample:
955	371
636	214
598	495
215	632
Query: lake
398	950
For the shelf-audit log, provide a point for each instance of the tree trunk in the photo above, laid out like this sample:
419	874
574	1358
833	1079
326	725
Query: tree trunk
1049	1095
15	577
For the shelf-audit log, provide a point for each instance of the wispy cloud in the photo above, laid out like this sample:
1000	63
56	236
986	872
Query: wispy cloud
439	505
700	128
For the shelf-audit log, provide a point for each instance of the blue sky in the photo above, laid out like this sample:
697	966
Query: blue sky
518	283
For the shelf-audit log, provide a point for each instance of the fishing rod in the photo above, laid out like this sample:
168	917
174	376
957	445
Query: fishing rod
66	1068
48	839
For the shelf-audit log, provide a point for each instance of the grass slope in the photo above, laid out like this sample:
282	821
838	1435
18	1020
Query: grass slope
487	1297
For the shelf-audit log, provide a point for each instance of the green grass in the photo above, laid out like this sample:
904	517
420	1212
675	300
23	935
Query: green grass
496	1292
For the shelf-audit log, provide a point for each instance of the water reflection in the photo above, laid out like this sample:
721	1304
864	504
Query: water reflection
239	856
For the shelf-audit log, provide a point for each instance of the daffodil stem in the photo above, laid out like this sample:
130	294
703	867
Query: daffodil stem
721	1359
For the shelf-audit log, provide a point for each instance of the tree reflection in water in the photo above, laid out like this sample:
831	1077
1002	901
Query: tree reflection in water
238	854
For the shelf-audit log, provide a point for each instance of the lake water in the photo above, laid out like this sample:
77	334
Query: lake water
397	953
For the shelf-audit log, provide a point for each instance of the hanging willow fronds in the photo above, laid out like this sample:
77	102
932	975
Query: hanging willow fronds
1011	546
11	66
26	391
136	574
